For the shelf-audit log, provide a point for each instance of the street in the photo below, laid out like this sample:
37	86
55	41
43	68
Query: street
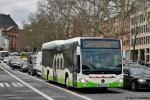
16	85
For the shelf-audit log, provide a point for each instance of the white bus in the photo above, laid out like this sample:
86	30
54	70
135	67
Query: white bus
83	62
3	54
38	68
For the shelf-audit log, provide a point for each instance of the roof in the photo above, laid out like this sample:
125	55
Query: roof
6	21
56	43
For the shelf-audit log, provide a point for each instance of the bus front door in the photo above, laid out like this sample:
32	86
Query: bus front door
75	76
76	69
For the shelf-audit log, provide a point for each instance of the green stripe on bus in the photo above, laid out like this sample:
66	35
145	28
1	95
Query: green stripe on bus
90	84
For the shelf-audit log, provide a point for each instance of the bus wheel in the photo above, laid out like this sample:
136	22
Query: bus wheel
67	82
133	86
29	72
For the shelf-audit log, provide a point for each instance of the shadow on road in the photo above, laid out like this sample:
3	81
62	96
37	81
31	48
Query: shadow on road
139	90
97	91
87	90
143	90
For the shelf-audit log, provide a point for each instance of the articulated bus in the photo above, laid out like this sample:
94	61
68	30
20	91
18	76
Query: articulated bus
83	62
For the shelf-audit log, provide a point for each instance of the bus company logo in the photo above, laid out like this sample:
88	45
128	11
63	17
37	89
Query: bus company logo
58	61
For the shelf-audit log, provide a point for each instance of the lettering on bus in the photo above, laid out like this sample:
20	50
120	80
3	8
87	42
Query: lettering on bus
100	44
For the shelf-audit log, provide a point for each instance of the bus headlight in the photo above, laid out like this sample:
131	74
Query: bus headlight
83	80
141	80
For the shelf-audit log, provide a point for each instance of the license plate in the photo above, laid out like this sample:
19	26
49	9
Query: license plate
103	85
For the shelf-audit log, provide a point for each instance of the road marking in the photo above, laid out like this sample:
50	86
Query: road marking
76	93
2	85
29	86
17	84
14	84
84	97
7	85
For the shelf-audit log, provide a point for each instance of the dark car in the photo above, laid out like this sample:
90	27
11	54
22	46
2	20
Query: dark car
137	77
15	65
24	66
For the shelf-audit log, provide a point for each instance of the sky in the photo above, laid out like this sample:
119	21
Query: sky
19	10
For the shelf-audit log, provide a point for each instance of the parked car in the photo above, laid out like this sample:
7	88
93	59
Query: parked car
38	67
32	63
10	58
137	77
6	60
24	66
15	63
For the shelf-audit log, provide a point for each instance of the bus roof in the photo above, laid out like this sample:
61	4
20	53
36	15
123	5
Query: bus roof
51	44
57	43
3	51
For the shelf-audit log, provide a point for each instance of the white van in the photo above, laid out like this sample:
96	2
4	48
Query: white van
38	67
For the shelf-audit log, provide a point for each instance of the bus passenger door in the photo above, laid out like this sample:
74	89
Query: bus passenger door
55	60
76	67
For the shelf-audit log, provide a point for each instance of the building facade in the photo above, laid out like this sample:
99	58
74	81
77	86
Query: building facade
140	37
125	37
9	32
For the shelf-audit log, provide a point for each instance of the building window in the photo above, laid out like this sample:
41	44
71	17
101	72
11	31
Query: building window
146	30
148	15
143	28
148	39
142	41
141	18
132	21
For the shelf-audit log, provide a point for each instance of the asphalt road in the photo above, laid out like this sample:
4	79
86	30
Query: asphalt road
15	85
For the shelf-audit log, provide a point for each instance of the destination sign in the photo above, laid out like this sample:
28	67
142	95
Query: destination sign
100	44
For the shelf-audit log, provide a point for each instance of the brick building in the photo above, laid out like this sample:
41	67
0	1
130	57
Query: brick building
78	28
125	37
10	31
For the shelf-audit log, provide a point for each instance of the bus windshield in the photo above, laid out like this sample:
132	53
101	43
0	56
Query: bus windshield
4	54
101	61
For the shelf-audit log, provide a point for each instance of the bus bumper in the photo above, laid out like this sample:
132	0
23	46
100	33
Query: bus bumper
98	85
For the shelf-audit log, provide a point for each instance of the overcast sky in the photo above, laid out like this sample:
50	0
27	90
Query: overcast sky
18	9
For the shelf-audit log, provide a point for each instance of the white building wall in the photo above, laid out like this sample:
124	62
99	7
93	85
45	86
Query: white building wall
4	43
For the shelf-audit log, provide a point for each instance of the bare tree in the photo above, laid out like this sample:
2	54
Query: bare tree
55	19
